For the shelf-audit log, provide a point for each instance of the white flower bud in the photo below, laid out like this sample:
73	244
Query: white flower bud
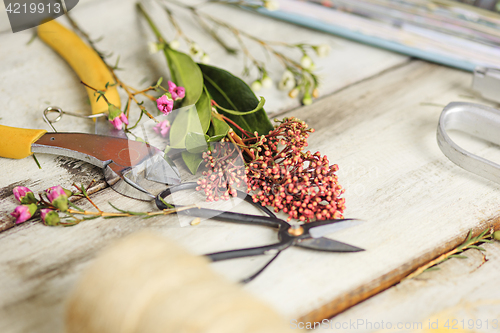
256	85
271	5
174	45
287	81
205	59
267	82
195	50
322	50
153	47
306	61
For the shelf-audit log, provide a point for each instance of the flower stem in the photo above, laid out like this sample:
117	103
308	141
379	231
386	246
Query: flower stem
107	214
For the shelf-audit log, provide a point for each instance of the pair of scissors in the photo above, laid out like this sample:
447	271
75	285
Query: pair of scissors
308	236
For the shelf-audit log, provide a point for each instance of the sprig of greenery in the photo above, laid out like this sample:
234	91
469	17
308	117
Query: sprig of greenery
470	243
299	78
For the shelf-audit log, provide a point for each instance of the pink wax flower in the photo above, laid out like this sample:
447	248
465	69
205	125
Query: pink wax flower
24	212
24	195
58	197
116	117
119	121
177	92
49	217
165	103
162	128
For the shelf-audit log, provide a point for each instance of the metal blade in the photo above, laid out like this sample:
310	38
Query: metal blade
104	127
126	162
326	244
325	229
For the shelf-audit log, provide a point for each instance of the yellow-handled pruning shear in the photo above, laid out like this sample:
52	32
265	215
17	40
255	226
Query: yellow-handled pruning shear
130	167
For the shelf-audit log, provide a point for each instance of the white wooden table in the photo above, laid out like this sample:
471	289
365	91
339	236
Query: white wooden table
370	121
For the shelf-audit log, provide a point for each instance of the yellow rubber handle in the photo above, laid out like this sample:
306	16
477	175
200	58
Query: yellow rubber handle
16	142
85	62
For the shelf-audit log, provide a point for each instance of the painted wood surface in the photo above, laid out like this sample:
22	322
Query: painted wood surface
417	204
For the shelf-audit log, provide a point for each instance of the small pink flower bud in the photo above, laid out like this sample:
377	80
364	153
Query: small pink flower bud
117	123
124	118
58	197
49	217
24	195
116	117
165	103
24	212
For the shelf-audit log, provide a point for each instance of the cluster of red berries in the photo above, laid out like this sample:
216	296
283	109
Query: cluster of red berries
280	174
303	185
225	174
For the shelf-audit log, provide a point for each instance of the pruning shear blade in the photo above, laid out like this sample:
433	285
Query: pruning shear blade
127	164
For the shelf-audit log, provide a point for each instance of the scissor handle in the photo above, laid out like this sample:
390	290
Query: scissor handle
250	252
475	119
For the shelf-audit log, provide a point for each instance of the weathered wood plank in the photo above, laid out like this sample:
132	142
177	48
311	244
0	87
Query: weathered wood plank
416	202
462	289
407	224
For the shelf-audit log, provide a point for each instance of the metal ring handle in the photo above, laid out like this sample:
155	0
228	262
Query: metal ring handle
61	112
50	122
475	119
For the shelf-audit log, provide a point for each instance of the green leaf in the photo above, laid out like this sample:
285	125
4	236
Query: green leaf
218	129
216	138
196	142
430	269
193	161
204	110
477	248
185	73
165	203
232	93
160	80
75	206
125	211
483	233
459	256
190	120
187	121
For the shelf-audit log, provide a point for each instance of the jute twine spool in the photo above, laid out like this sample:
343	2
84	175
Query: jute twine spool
147	284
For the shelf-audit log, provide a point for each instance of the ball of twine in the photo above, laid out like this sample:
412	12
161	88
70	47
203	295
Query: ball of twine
146	283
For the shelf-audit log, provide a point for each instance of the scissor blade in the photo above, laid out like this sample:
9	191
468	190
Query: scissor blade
326	244
322	230
104	127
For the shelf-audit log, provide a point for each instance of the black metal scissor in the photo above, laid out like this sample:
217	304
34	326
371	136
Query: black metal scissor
309	236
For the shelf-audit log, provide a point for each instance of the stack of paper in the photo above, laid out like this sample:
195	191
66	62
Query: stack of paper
443	31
